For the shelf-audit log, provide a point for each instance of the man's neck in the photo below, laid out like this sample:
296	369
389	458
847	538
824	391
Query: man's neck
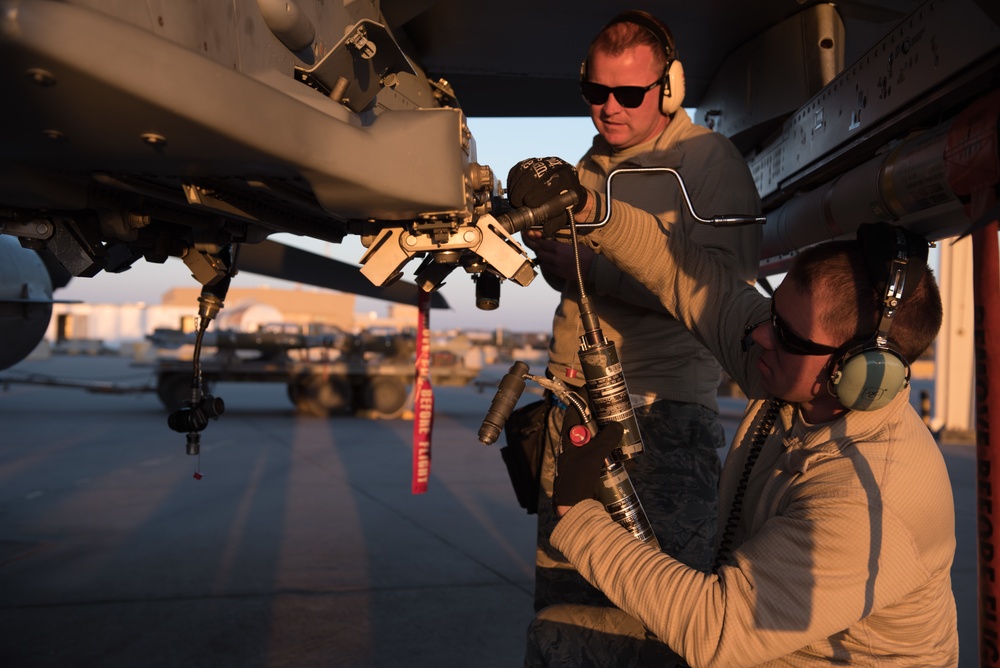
822	409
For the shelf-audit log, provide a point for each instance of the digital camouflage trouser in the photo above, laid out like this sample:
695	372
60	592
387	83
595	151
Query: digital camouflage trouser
585	636
676	478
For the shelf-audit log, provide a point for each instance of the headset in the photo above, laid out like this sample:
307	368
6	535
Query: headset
672	79
868	375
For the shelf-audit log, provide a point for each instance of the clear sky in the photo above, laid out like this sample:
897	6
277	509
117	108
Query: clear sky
500	143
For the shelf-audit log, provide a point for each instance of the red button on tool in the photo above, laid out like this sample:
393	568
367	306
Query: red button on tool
579	435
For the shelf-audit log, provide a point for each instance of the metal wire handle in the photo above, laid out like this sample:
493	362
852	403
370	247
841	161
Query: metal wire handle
728	220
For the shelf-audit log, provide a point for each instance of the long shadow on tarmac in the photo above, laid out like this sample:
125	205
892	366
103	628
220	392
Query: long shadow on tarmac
301	545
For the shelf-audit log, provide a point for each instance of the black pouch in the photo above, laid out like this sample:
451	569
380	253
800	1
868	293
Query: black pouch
525	432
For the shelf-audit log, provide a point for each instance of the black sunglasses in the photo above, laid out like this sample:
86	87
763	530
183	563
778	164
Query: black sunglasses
629	97
792	342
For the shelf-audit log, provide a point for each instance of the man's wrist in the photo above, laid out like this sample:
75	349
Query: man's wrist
586	213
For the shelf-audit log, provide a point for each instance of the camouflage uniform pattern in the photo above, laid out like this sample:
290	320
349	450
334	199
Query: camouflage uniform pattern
583	636
676	478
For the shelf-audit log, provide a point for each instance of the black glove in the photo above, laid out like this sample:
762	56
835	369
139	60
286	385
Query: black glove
579	467
535	181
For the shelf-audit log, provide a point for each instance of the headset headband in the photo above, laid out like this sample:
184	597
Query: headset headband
896	274
662	36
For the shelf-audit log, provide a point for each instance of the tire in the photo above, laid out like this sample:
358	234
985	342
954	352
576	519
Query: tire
386	397
174	390
315	396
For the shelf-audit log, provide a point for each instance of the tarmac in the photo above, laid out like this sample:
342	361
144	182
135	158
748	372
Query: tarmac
300	545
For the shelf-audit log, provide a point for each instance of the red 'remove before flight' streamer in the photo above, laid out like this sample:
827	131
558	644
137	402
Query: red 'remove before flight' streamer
423	399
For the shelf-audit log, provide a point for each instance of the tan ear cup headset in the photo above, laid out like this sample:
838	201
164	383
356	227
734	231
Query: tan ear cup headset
673	74
868	375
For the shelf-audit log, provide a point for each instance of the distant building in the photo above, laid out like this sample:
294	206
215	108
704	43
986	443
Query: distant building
299	307
112	323
246	309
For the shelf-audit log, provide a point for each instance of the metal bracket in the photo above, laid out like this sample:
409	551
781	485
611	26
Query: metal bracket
393	247
357	67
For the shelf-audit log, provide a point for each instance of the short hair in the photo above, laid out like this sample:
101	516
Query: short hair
836	272
617	36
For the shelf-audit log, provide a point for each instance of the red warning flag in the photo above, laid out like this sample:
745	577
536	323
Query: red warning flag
423	398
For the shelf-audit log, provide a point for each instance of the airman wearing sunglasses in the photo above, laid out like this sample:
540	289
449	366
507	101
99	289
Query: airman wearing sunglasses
633	86
837	527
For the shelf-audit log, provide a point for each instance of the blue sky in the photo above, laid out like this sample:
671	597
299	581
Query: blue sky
500	143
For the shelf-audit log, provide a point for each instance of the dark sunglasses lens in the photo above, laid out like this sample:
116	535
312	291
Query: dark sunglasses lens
784	339
594	93
792	342
629	97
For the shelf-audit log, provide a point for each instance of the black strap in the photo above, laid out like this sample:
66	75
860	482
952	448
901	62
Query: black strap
770	411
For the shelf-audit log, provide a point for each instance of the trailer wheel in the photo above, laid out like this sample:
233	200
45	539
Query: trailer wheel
316	396
173	389
386	397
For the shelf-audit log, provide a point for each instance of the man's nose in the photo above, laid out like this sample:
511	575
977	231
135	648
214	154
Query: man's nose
763	335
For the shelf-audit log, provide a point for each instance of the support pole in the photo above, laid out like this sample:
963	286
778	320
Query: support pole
973	161
987	291
954	413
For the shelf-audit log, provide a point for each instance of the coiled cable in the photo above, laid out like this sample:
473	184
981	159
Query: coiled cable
760	435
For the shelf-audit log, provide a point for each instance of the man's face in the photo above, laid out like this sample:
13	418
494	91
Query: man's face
622	127
794	377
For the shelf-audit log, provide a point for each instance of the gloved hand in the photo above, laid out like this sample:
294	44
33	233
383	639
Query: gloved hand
535	181
579	467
